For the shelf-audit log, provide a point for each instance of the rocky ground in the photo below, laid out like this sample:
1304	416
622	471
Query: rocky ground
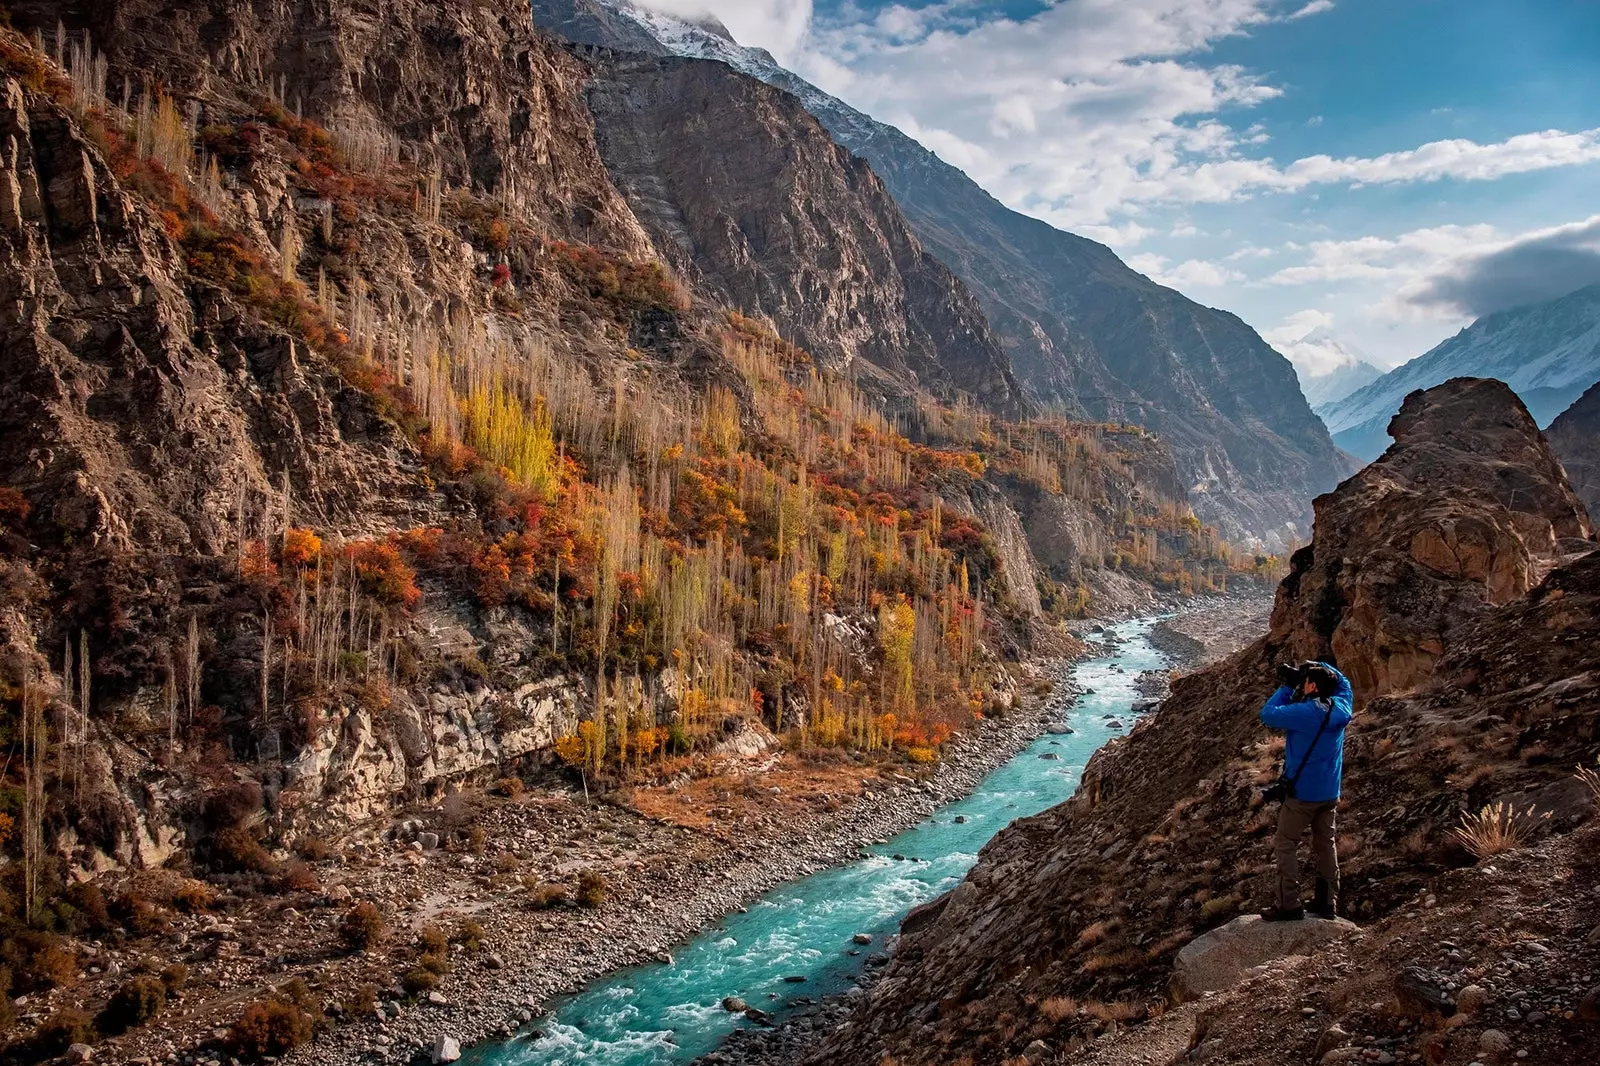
1213	629
483	858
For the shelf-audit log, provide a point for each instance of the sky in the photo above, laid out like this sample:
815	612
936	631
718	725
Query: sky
1347	175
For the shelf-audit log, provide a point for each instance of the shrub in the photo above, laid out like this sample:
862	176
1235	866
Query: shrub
510	787
313	849
1495	829
419	981
1591	780
270	1027
174	979
231	805
89	903
298	876
236	849
547	895
62	1029
432	940
1059	1008
135	1003
469	934
364	1000
362	927
591	889
435	962
50	962
194	897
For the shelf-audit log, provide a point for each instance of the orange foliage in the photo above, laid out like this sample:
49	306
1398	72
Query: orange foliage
383	573
301	548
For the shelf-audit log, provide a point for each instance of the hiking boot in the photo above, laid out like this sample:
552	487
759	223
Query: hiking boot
1324	904
1283	914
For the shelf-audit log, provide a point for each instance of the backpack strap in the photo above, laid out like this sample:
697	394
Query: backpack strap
1327	713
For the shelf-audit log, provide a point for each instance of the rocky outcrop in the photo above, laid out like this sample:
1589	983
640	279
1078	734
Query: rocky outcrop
1478	673
745	191
1575	437
1466	511
1216	960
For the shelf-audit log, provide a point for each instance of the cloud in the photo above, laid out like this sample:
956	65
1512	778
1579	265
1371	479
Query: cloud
1189	274
1528	268
780	26
1316	7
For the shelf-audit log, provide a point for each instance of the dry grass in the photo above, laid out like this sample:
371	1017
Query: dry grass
1116	1011
1495	829
1059	1008
1591	780
1470	779
1416	844
1095	933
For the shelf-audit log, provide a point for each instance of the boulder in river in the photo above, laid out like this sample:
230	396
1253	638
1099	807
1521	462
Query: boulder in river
1050	755
735	1005
862	938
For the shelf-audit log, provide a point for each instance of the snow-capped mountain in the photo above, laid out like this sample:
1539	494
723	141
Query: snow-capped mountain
1084	332
1548	352
1329	368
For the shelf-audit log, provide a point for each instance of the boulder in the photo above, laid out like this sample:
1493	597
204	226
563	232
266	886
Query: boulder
1216	960
1422	993
735	1005
446	1048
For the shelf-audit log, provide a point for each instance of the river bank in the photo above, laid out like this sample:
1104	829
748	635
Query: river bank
664	883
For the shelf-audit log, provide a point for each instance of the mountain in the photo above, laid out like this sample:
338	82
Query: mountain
1340	368
1575	436
1083	331
1548	352
1454	581
742	190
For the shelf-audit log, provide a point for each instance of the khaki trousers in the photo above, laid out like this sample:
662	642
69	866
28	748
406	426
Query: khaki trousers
1294	818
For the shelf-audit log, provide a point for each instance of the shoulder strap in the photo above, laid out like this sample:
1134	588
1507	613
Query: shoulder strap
1327	713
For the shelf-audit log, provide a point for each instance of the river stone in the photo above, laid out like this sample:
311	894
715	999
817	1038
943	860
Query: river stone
1216	960
862	938
446	1048
735	1005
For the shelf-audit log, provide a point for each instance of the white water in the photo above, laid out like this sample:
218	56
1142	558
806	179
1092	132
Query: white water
661	1014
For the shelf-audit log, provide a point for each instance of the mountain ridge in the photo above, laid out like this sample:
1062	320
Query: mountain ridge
1549	353
1083	331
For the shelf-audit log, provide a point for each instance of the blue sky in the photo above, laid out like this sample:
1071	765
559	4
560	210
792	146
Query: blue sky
1342	173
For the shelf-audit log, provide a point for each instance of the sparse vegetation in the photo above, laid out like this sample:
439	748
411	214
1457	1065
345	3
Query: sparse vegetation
363	927
271	1027
1495	829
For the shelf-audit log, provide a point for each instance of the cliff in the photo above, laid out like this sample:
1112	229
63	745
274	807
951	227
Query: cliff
1575	436
1448	579
742	189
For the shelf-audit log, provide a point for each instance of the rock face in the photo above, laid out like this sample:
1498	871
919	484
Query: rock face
1213	961
1466	511
743	189
1081	328
1575	437
1491	647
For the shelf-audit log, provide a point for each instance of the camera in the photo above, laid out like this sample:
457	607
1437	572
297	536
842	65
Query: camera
1278	791
1290	676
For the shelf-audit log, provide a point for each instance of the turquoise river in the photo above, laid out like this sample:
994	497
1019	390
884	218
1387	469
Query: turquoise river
660	1014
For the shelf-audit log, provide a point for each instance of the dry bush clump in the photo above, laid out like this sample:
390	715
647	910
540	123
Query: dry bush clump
1495	829
1059	1008
1591	780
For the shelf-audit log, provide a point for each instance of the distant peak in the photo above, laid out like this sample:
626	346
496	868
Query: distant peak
712	25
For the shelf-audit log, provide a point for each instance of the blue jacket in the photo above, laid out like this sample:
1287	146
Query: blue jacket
1319	781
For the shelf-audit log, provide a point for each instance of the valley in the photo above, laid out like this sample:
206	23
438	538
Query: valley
537	534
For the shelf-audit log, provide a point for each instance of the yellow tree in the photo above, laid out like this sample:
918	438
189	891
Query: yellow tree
897	634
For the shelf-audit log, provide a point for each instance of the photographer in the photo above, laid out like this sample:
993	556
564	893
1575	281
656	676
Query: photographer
1312	707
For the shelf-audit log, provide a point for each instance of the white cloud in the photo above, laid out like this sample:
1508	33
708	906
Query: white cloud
1529	267
1316	7
779	26
1189	274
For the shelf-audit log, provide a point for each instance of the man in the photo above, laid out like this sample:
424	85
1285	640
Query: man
1313	722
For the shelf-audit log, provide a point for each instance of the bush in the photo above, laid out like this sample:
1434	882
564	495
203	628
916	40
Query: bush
510	787
362	1001
469	935
135	1003
229	806
237	849
298	876
49	962
138	914
362	927
313	849
194	897
435	962
269	1028
89	904
591	889
419	981
62	1029
432	940
547	895
174	979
